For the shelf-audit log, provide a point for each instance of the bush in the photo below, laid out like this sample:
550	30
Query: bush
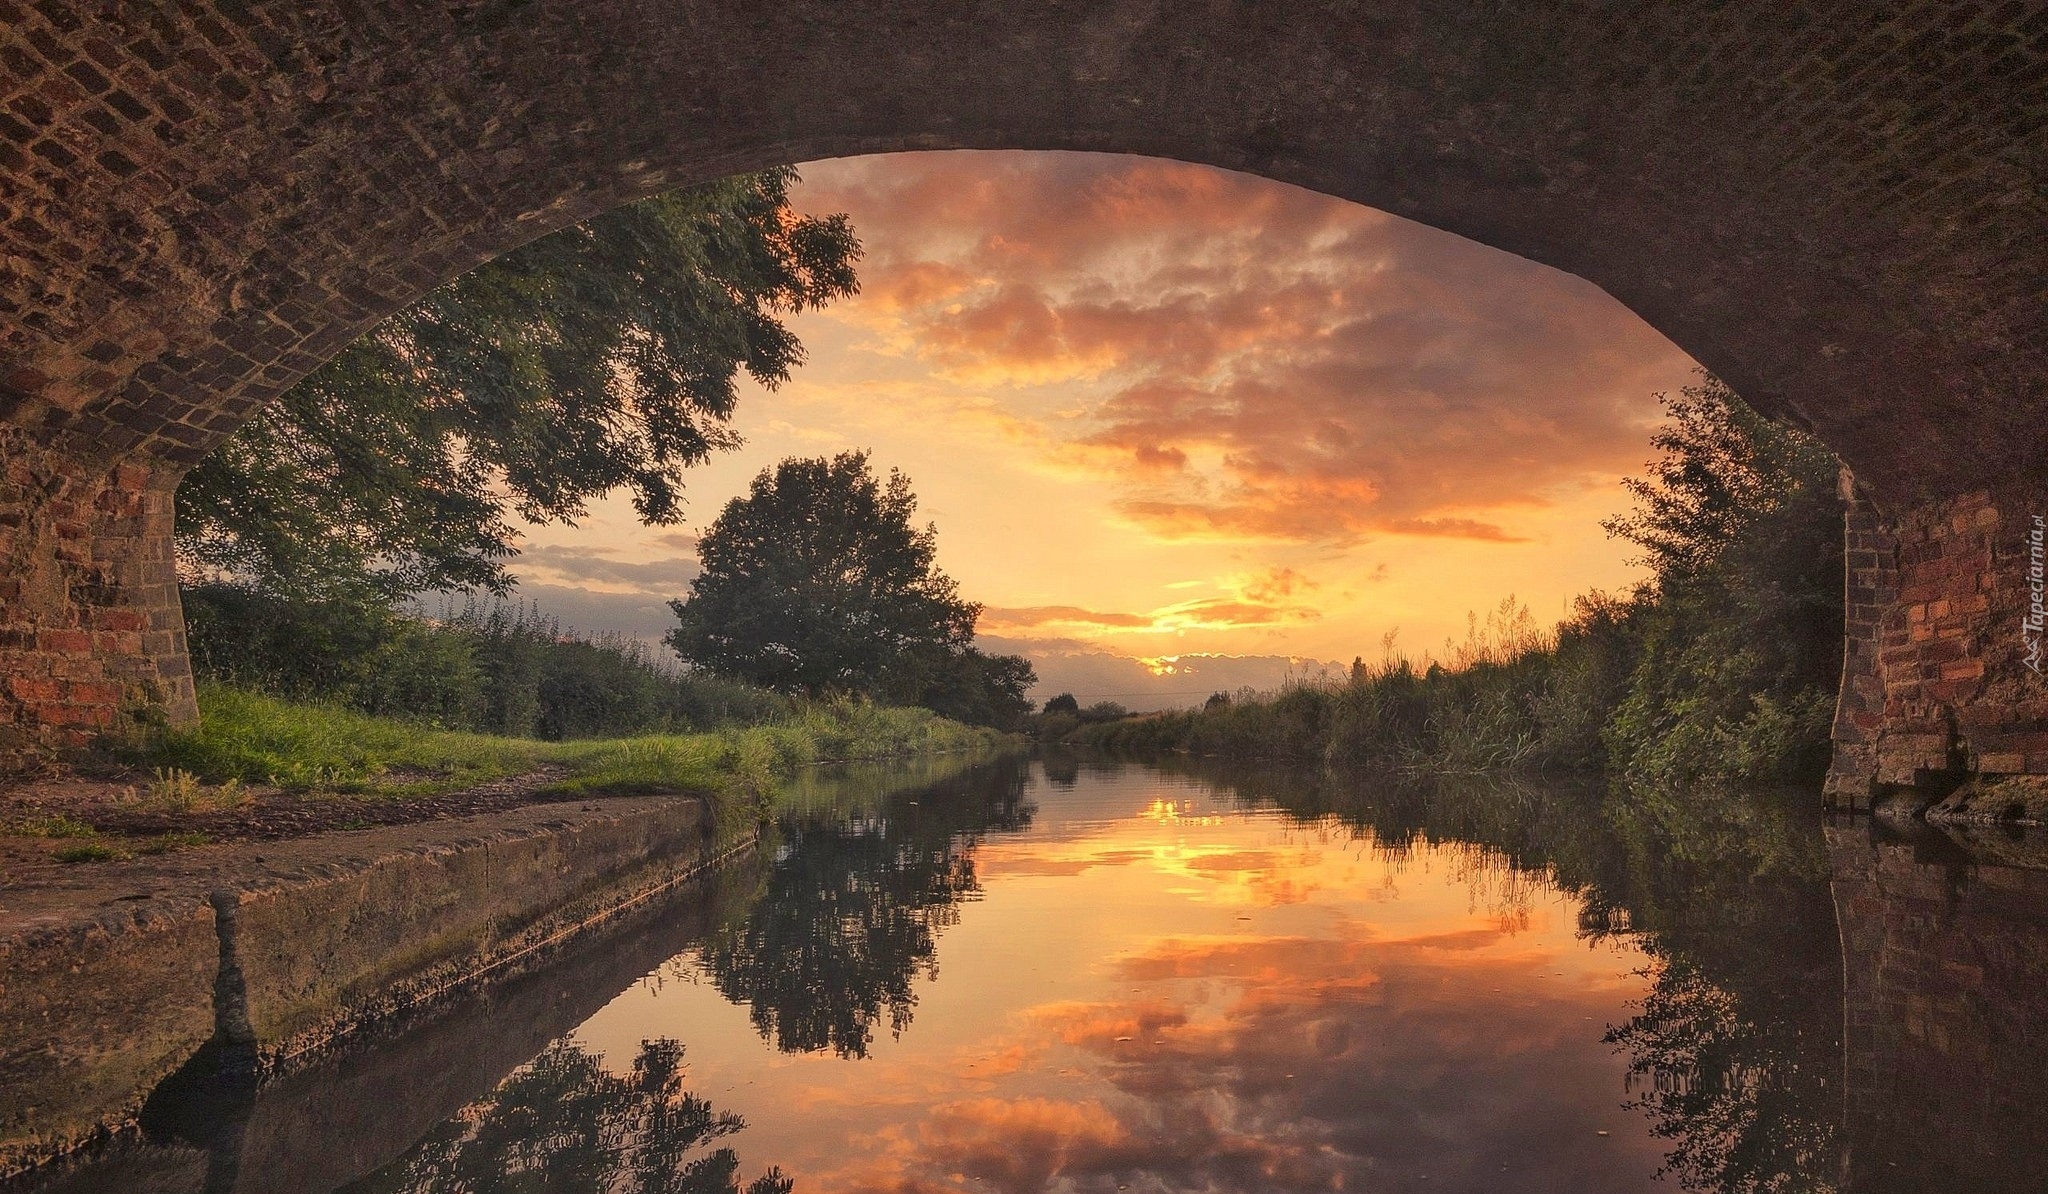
490	668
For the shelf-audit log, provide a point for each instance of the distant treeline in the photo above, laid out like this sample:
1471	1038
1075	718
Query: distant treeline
486	666
1725	663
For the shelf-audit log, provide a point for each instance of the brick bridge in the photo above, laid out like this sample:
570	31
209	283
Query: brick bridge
1841	208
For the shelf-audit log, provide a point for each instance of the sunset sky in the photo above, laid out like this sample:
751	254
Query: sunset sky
1161	411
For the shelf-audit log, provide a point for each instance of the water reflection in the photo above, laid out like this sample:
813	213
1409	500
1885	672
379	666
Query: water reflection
1197	978
1742	1105
854	907
565	1124
1733	1051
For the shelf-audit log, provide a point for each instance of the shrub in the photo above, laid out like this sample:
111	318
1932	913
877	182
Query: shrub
487	667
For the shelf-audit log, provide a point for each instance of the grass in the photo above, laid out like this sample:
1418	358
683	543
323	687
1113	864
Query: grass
251	738
57	826
84	844
88	852
246	737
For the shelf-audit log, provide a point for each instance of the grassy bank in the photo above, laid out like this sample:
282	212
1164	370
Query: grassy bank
248	738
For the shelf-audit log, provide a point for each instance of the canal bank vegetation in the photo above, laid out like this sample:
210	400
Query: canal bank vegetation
606	357
484	666
1723	663
251	738
816	586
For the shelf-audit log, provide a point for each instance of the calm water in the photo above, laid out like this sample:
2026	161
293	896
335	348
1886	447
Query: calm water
1039	976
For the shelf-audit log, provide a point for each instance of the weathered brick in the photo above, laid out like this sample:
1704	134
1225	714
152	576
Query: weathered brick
35	688
120	619
68	668
65	642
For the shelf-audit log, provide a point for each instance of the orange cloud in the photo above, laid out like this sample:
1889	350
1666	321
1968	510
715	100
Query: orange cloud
1269	363
1278	583
1101	1026
1262	599
1298	1064
996	619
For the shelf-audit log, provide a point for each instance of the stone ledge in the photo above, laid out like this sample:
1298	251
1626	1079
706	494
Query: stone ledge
118	975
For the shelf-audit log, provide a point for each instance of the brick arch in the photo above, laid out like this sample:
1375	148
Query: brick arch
1836	206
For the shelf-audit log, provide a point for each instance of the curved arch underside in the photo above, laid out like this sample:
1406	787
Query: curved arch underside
1838	207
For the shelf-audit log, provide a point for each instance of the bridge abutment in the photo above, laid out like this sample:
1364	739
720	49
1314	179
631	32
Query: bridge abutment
92	640
1942	680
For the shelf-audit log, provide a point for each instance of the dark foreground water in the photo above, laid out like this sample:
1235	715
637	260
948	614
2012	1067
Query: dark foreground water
1045	976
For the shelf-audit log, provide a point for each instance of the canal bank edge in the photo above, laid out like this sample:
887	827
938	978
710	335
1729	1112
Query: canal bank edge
304	941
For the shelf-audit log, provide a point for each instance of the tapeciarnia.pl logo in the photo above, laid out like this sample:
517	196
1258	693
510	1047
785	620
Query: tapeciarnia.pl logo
2037	592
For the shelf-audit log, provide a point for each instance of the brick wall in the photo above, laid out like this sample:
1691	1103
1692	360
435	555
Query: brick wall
91	640
1871	585
1936	687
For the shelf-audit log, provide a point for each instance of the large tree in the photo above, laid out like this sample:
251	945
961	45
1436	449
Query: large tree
818	580
603	356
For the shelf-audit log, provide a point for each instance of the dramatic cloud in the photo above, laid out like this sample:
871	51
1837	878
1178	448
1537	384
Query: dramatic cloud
997	619
1208	613
1267	363
1213	424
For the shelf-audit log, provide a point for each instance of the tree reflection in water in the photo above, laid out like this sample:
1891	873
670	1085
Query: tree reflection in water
853	911
563	1124
1727	1089
1725	889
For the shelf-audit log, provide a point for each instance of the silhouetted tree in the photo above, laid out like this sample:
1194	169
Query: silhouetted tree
972	686
819	581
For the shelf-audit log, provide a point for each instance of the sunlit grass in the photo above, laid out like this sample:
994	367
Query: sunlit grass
245	737
88	852
59	826
253	738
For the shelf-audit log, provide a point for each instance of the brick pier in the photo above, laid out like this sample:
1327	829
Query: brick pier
92	644
1937	688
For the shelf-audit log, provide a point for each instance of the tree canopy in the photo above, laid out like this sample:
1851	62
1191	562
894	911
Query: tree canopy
605	355
818	580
